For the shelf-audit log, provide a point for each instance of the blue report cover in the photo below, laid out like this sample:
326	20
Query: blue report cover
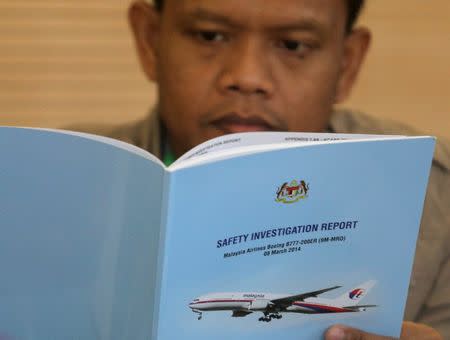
246	236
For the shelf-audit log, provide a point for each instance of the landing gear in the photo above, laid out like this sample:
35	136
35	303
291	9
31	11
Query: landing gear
199	314
268	317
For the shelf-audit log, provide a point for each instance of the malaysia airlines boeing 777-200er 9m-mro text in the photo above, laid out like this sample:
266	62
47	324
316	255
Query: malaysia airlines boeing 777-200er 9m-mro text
272	305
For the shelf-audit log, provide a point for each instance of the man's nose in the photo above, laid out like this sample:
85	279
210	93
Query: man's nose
247	71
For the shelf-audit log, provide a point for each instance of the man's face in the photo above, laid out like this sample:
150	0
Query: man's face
254	65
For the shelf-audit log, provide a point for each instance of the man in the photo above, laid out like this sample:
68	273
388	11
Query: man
254	65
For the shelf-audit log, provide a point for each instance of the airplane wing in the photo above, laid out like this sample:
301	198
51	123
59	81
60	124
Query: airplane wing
359	308
288	300
240	313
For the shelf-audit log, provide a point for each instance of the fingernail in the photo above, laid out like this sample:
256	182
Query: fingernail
336	333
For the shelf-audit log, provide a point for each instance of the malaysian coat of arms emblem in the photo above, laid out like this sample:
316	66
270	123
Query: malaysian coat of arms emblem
292	192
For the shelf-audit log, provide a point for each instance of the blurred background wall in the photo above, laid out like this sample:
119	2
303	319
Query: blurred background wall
69	61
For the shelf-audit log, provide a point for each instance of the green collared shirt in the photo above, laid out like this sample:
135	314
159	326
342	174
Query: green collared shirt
168	157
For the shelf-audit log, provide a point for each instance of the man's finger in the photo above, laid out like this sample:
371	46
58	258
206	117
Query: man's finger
410	331
417	331
339	332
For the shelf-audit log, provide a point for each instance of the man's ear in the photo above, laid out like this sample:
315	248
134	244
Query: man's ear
144	21
356	45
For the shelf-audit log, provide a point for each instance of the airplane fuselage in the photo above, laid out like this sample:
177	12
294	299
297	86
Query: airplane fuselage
255	302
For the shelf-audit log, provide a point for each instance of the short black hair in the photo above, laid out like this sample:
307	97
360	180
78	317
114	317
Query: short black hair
354	9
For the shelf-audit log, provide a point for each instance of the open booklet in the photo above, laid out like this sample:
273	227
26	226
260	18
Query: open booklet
247	236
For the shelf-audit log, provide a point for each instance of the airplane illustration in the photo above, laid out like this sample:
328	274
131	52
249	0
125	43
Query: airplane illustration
273	305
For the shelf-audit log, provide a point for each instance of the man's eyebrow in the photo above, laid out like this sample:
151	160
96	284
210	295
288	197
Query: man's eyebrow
206	15
302	24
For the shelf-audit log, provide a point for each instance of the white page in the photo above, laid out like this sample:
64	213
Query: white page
267	140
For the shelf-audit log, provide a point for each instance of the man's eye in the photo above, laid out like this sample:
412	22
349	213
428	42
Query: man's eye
211	36
293	45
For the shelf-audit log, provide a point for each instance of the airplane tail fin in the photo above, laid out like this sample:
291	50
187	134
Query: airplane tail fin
354	295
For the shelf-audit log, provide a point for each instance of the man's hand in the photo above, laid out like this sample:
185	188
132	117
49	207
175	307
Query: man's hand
410	331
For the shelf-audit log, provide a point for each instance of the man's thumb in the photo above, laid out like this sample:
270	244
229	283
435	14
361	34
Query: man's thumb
339	332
